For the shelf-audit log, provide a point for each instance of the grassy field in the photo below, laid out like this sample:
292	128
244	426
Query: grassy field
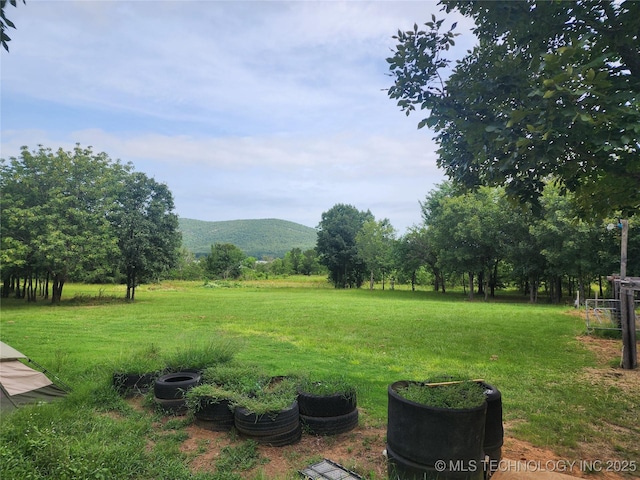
532	353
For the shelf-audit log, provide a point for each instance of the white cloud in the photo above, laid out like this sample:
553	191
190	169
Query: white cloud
246	109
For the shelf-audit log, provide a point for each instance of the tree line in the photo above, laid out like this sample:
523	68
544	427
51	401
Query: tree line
77	215
481	240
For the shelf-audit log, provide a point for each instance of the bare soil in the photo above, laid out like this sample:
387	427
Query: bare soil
361	450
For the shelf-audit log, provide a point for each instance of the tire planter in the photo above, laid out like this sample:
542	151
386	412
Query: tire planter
275	429
493	431
174	406
399	468
334	405
492	464
174	385
129	384
424	435
215	415
330	425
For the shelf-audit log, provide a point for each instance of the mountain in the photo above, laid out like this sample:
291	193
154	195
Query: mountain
257	238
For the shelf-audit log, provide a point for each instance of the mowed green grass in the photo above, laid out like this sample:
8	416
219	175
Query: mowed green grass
531	353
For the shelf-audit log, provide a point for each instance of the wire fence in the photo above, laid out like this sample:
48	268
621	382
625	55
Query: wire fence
605	314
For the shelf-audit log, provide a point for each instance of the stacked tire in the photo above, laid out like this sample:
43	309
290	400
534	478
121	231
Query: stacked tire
169	391
493	430
274	429
425	442
328	414
214	415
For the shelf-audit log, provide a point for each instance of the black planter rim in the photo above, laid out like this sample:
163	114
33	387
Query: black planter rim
393	393
240	410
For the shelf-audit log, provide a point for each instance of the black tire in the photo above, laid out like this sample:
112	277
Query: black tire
334	405
493	427
213	410
330	425
493	458
425	434
216	416
267	425
218	425
174	385
282	439
174	406
399	468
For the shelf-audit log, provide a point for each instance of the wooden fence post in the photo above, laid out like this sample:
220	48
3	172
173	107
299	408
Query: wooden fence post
628	321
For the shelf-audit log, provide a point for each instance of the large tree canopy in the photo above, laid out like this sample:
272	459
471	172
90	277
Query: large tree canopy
78	215
337	247
550	93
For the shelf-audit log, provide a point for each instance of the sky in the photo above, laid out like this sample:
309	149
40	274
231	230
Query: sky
245	109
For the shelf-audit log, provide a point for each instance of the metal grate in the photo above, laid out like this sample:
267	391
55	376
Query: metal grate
326	469
604	314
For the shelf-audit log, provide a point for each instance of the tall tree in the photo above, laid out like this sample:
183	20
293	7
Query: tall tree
294	258
414	251
64	199
471	233
551	91
79	215
147	229
225	261
374	243
336	245
310	264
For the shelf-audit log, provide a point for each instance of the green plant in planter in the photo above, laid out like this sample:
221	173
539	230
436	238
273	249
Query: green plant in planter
240	378
206	393
271	398
451	395
327	386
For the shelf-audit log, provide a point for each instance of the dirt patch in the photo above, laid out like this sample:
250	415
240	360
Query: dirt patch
360	450
608	352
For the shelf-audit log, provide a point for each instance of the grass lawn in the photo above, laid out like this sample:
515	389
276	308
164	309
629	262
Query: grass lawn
531	353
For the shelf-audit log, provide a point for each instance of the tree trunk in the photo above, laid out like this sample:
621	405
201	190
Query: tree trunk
533	287
31	292
371	281
133	286
486	288
494	280
56	293
17	288
470	285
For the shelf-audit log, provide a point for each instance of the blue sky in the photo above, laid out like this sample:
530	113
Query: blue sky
245	109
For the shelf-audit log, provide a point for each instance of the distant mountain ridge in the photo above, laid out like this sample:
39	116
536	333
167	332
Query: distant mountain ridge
260	238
